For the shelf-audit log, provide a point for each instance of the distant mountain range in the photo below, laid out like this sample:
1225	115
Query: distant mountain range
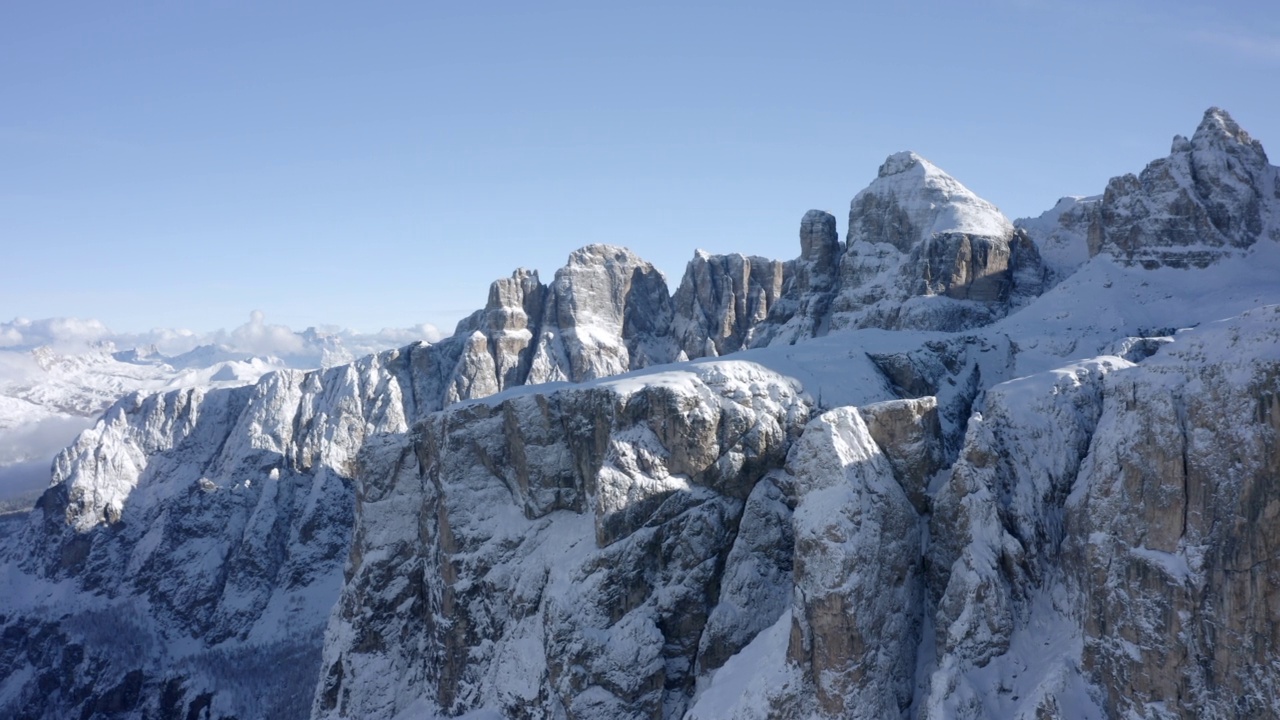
58	374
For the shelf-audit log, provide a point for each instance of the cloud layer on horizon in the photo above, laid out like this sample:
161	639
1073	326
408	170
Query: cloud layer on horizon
256	337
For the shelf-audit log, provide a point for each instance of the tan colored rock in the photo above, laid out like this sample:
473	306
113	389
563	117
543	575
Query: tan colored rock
909	434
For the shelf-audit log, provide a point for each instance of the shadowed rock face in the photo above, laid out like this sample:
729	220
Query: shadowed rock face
819	241
1216	193
909	433
722	301
607	312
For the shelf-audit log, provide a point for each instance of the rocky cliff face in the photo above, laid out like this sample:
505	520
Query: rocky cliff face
556	553
722	301
1173	532
193	542
1215	194
1116	514
892	518
606	312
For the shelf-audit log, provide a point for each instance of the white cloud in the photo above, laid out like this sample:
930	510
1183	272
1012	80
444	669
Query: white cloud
51	331
41	439
403	336
257	337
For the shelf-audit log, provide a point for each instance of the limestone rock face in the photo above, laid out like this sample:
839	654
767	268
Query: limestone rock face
721	302
857	573
810	284
607	312
909	434
1214	194
1172	528
560	552
950	375
512	316
757	586
1118	514
819	241
996	528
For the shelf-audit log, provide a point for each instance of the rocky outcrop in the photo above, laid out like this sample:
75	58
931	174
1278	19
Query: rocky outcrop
756	587
804	306
858	581
722	301
1214	194
607	312
559	554
923	252
909	433
950	375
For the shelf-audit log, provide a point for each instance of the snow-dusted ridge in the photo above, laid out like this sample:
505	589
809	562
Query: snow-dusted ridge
949	468
58	374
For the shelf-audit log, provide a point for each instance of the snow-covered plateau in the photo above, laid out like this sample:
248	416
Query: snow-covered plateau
952	466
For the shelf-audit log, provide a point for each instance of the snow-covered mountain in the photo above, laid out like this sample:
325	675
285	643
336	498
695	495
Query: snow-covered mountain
953	467
57	375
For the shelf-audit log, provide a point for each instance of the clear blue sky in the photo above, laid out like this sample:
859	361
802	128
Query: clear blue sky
377	164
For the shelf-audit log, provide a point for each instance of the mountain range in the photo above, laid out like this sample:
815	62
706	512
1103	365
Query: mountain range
58	375
951	466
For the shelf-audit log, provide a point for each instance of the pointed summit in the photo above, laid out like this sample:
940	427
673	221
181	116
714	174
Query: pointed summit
1214	194
1218	129
912	199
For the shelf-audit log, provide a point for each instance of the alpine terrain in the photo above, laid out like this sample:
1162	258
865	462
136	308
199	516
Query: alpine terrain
57	375
951	466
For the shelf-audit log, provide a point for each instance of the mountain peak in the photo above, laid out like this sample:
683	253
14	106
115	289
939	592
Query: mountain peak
1219	123
912	199
1213	195
905	161
1219	131
598	254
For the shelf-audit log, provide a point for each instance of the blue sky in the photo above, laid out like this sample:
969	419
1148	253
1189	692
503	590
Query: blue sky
371	165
